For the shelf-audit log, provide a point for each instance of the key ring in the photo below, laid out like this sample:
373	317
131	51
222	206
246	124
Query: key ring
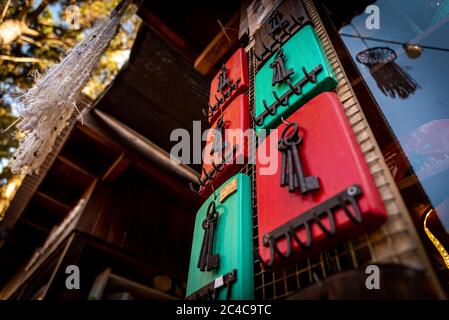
294	134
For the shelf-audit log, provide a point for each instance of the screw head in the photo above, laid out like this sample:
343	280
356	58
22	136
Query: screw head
352	191
266	238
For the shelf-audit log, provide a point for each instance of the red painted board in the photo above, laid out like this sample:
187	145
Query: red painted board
236	116
330	151
233	82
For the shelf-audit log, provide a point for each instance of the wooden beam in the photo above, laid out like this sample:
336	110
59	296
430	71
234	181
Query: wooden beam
117	168
73	165
219	46
54	201
34	225
96	128
169	181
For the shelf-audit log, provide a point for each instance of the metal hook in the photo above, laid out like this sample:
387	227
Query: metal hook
258	121
192	188
297	91
268	109
213	189
278	251
297	21
259	58
218	168
268	264
308	243
286	122
311	78
276	40
283	102
331	231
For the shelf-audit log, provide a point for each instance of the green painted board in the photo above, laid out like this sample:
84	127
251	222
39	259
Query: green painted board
233	240
302	50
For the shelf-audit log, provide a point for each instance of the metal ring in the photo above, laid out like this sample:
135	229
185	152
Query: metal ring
295	130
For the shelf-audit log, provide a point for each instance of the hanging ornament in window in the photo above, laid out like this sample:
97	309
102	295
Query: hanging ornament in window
46	109
391	79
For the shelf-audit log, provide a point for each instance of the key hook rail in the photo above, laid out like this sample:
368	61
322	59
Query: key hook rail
225	88
283	100
288	29
346	200
211	290
213	173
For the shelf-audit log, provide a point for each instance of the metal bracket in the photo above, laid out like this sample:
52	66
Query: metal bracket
210	291
342	200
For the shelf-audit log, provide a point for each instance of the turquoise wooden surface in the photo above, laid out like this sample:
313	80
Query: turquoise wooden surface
233	242
302	50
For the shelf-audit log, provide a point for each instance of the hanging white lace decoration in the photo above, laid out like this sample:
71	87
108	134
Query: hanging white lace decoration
45	109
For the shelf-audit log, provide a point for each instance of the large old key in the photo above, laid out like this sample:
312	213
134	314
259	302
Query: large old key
291	170
207	260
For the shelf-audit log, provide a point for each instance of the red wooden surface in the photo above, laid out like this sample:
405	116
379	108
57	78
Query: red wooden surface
330	151
236	116
237	68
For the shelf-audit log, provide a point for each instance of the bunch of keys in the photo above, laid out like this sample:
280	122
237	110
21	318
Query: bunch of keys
207	260
291	170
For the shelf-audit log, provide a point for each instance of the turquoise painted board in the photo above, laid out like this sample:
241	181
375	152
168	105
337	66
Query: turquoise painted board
296	73
232	242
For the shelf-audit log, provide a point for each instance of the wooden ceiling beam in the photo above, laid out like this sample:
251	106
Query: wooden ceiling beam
53	200
73	165
117	168
34	225
219	46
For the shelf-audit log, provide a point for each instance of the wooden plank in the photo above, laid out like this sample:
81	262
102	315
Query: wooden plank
116	169
74	165
54	201
219	46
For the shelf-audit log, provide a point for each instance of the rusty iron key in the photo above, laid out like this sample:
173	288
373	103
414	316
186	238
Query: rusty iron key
207	260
